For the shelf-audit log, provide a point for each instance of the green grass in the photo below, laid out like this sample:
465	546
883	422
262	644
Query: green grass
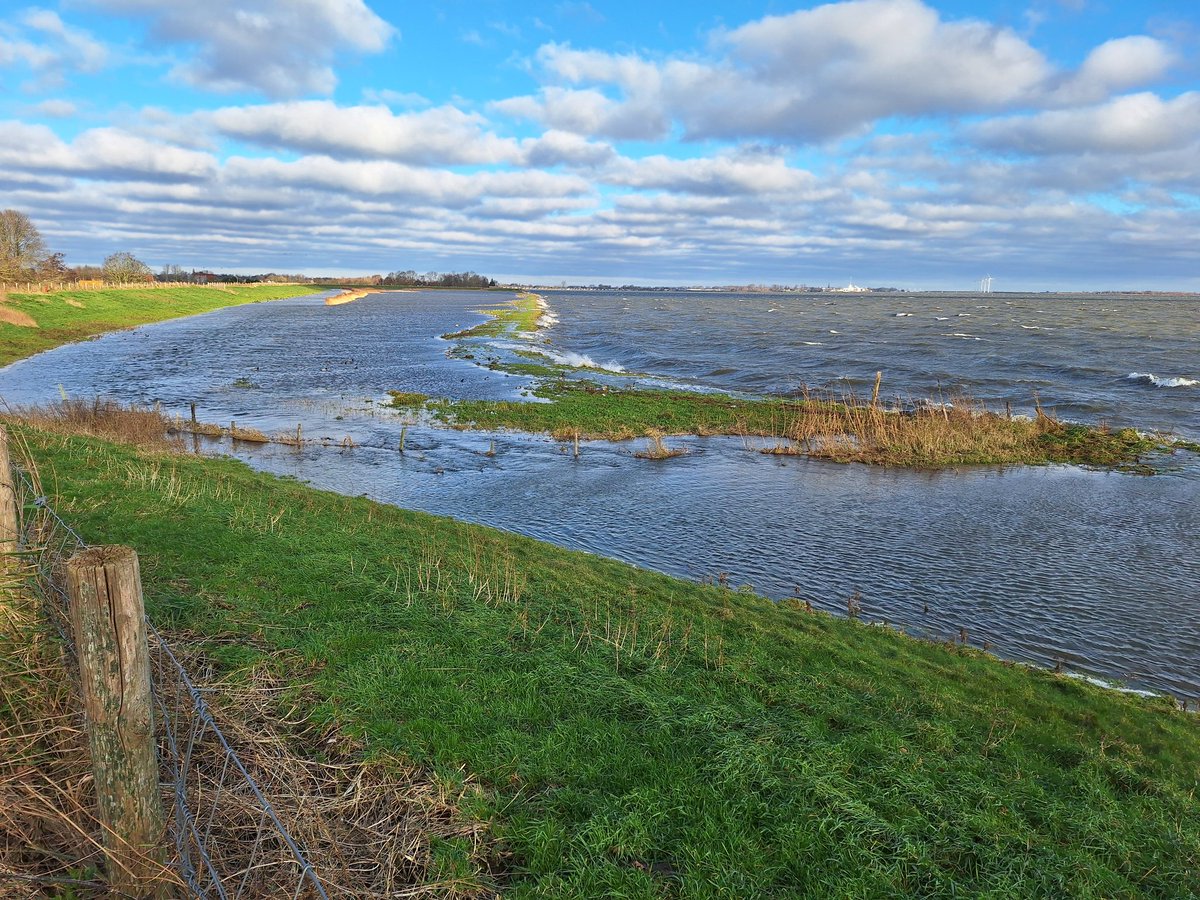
929	438
519	314
634	735
61	322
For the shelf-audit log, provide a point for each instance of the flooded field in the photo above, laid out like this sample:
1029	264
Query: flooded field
1098	570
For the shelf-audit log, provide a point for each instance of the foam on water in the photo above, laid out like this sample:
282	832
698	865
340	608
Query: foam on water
581	361
1151	378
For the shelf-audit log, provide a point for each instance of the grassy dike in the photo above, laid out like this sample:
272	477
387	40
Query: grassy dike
629	734
65	316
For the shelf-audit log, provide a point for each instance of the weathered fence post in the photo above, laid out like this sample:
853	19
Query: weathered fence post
107	616
9	523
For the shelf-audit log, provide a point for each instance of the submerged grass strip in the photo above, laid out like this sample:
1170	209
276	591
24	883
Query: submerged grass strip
518	315
65	316
841	430
635	735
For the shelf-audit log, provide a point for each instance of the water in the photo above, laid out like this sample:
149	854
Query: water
1099	570
1076	352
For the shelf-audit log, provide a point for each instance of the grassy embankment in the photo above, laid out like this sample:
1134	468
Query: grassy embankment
628	734
61	317
844	429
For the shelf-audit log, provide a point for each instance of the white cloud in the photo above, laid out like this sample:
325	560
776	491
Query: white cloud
728	174
823	73
283	48
389	179
590	112
108	153
39	39
1134	124
564	148
444	135
1116	66
57	109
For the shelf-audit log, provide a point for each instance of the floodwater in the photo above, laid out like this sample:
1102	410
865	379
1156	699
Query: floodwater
1097	570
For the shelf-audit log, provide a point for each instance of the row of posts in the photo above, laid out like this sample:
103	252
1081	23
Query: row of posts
108	624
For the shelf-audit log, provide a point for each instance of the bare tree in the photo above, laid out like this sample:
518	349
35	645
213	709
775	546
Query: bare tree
124	268
21	246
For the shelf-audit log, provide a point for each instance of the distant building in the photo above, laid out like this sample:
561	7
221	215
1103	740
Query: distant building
852	288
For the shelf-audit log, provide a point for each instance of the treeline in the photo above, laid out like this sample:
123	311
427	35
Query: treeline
409	278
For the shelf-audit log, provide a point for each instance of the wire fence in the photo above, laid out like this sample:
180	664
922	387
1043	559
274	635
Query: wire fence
226	838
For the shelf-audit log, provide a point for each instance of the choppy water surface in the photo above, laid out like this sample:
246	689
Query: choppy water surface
1131	360
1099	570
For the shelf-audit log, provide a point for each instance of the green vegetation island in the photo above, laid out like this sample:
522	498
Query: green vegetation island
594	729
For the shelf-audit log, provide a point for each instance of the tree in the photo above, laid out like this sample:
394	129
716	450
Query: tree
123	268
52	268
21	246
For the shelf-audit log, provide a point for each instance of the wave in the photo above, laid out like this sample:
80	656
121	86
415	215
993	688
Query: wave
903	315
1151	378
581	361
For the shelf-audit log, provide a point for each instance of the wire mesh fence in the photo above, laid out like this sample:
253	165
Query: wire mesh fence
226	839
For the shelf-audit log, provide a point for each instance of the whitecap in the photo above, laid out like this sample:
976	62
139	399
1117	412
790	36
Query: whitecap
831	331
941	318
582	361
903	315
1151	378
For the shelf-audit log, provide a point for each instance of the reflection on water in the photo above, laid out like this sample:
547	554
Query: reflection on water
1099	570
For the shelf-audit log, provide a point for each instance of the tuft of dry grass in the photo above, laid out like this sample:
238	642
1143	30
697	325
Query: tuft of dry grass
133	424
249	435
366	825
657	449
15	316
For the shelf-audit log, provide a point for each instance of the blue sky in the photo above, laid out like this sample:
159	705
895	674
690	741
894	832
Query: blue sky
920	143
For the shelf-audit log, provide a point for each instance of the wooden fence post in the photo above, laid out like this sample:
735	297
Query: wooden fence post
9	523
107	616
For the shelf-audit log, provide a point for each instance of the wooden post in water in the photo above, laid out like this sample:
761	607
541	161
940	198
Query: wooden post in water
193	415
10	525
299	431
875	392
107	617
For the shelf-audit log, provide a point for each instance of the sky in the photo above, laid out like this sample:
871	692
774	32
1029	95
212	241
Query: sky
1050	144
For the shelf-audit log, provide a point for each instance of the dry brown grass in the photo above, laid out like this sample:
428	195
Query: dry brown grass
49	833
367	826
657	449
959	430
128	424
249	435
15	316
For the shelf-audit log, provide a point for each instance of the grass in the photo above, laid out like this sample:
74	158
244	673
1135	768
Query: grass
66	316
615	732
517	315
842	429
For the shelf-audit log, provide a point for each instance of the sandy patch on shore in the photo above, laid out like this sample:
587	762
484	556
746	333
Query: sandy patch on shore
358	294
